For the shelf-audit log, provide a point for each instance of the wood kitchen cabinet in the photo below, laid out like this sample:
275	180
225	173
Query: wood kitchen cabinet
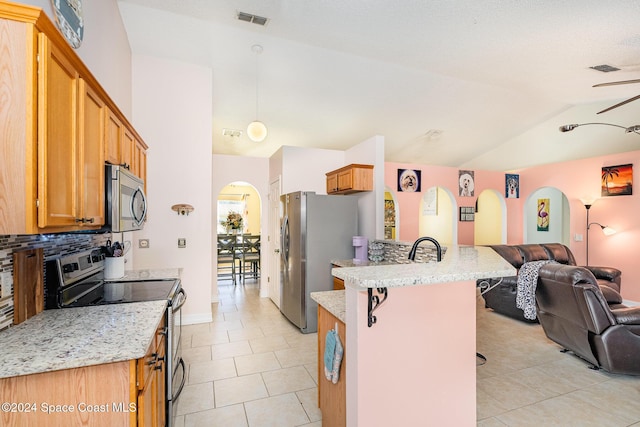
332	398
350	179
127	393
53	131
114	134
124	147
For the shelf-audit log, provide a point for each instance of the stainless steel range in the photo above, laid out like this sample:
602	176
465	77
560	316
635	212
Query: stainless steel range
77	280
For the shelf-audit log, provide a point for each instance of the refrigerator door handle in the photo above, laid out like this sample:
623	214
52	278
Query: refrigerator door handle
285	241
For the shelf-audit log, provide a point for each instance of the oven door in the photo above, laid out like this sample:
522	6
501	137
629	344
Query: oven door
176	374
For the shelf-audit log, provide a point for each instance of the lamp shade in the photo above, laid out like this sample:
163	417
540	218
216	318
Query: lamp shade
608	231
257	131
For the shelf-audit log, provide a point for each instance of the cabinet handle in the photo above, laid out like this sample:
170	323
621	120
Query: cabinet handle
154	360
159	364
89	220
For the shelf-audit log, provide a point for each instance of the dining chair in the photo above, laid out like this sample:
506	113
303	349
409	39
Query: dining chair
227	257
250	265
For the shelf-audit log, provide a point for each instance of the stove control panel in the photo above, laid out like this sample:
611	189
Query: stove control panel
80	265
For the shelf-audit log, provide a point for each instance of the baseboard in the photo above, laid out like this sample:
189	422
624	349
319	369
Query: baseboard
629	303
192	319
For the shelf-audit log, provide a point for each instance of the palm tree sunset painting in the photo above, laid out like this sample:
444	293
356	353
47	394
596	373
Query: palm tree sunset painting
617	180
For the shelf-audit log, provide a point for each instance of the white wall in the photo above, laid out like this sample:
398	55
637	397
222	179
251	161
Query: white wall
304	169
173	110
370	205
255	171
105	48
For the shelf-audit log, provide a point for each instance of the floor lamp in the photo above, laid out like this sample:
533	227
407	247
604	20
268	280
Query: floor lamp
608	231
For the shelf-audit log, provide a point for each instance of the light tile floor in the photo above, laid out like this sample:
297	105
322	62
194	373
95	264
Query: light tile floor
250	367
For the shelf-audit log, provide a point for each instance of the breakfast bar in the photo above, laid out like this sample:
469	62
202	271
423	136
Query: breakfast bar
410	338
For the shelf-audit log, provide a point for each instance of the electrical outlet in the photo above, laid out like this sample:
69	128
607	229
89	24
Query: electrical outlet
182	242
143	243
6	283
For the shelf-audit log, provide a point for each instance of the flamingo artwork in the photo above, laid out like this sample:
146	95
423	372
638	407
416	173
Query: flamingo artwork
543	214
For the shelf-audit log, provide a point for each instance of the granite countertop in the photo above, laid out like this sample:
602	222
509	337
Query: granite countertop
363	263
333	301
458	263
76	337
150	274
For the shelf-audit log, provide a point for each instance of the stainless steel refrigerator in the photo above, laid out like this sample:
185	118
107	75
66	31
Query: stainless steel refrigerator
314	230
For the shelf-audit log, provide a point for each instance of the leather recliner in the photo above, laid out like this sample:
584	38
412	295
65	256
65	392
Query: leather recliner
574	313
499	293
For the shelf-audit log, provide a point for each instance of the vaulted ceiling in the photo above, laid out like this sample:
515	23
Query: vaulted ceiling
466	83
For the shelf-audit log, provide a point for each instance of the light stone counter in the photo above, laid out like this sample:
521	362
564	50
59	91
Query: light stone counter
459	263
333	302
76	337
150	274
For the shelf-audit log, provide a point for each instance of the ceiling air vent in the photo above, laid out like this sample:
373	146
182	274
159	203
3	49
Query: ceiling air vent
604	68
254	19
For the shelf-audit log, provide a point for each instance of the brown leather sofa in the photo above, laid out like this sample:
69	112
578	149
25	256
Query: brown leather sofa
574	313
499	293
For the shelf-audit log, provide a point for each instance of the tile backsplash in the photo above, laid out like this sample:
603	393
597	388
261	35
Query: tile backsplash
53	246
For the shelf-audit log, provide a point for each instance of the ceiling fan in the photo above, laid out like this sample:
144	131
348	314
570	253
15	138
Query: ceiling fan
623	82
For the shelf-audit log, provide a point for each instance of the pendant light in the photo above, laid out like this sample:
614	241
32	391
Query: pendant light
256	131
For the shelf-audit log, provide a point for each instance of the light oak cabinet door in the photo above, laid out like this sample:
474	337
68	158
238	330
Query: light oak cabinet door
113	138
91	157
332	398
139	167
57	137
128	146
151	383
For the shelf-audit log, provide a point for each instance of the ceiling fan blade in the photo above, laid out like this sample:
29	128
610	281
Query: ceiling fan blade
622	82
619	104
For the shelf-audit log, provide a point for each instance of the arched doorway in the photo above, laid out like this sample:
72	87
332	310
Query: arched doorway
490	226
391	216
546	217
238	212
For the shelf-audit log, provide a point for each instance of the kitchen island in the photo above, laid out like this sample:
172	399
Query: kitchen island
411	338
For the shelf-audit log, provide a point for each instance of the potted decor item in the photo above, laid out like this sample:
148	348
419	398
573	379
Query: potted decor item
233	223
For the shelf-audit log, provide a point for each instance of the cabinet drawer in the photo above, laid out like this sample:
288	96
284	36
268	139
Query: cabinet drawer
154	357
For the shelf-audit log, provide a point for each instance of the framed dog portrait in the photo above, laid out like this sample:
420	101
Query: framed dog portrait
409	180
466	183
511	186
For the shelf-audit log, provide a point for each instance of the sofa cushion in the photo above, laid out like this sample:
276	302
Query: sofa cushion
559	253
509	253
533	252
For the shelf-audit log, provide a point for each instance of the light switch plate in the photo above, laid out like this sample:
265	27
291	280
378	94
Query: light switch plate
182	242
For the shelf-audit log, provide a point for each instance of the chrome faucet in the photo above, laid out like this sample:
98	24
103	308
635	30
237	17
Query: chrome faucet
414	248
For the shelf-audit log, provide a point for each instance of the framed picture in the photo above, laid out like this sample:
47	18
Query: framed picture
511	186
543	215
466	184
409	180
430	199
617	180
467	213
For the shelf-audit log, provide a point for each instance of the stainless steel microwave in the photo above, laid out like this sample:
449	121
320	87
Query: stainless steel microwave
126	203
